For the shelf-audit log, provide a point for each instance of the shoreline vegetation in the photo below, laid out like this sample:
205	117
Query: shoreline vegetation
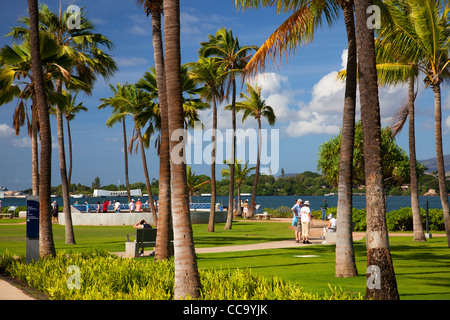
307	184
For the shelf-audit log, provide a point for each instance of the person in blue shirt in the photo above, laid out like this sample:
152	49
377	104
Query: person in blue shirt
295	220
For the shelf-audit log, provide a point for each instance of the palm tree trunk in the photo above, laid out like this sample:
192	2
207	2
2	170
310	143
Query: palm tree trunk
440	159
238	204
345	254
212	210
417	223
251	206
162	250
147	178
70	237
34	148
381	281
233	157
187	279
127	180
46	244
69	139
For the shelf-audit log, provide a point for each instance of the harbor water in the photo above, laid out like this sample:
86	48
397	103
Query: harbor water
359	202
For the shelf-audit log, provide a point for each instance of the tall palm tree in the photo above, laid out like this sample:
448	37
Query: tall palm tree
46	244
17	82
110	102
297	30
234	59
88	59
208	71
419	36
381	281
253	105
241	173
162	250
187	279
129	100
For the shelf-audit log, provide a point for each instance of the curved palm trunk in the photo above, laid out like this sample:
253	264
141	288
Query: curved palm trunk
70	237
251	206
440	159
162	250
381	281
69	139
238	204
127	180
345	254
34	148
46	244
187	279
147	178
212	210
229	222
417	224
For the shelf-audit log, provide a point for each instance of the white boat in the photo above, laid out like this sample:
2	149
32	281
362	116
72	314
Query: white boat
107	193
246	194
205	195
77	196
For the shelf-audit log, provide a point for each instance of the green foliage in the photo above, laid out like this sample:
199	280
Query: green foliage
105	277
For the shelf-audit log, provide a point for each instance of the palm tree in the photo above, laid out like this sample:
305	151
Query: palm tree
193	183
46	244
162	250
241	174
297	30
129	100
418	37
187	279
108	102
208	71
83	48
379	261
234	58
17	82
254	106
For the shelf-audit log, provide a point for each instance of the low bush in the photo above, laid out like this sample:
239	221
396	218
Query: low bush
98	275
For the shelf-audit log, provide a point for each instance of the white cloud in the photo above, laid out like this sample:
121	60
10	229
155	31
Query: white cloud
447	124
6	131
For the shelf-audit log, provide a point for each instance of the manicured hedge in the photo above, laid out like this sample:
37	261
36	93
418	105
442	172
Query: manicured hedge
102	276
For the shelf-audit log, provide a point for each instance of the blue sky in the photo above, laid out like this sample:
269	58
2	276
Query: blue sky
306	98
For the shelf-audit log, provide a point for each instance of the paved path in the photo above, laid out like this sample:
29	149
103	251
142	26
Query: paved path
10	292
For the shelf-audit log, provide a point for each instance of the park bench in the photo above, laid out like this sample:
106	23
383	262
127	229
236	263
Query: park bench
10	213
264	216
144	238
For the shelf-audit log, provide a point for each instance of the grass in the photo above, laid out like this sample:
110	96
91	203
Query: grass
422	269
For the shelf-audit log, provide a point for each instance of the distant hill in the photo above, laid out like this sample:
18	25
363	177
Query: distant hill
432	166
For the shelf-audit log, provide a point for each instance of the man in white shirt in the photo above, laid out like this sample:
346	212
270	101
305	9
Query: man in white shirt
132	206
117	206
305	214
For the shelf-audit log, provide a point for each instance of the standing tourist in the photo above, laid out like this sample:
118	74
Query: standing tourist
305	214
296	219
324	208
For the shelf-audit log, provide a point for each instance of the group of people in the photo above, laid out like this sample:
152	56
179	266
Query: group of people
302	220
134	206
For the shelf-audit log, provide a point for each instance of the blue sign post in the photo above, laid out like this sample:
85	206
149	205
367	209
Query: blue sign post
32	231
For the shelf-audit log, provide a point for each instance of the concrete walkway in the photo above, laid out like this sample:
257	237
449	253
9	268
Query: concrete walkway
10	292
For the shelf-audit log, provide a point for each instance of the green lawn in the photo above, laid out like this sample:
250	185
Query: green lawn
422	269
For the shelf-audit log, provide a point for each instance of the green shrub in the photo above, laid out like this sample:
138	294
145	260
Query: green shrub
107	277
280	212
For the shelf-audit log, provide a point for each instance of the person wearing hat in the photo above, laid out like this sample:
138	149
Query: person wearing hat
295	219
331	227
331	223
305	214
